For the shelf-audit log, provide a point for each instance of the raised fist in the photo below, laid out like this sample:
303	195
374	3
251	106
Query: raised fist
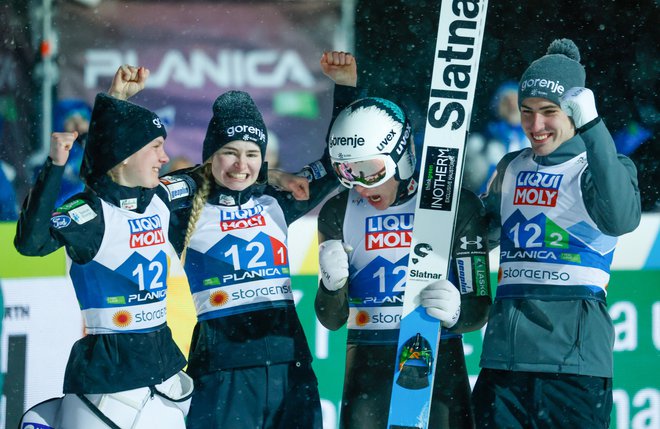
128	81
60	145
579	104
339	66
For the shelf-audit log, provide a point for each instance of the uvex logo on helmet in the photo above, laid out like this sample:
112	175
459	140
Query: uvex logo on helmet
388	138
240	129
402	144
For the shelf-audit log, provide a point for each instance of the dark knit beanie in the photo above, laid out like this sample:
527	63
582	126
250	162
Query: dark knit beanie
117	130
549	76
235	117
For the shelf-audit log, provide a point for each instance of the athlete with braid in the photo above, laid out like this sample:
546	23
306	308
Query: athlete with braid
249	356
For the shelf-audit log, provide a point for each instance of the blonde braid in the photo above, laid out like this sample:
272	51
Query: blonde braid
197	206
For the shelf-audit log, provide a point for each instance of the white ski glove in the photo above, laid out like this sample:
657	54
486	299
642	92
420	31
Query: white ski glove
443	301
579	104
333	262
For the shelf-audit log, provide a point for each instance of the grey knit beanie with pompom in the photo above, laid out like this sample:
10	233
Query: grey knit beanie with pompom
557	71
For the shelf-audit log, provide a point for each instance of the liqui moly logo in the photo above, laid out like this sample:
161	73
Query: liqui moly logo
241	219
389	231
534	188
146	231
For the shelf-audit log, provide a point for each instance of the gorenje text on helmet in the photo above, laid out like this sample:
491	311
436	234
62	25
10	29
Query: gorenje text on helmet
347	141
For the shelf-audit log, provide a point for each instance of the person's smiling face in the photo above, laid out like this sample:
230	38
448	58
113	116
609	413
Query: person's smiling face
143	167
545	124
236	165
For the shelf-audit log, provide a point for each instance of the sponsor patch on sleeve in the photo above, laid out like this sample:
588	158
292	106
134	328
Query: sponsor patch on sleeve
176	187
60	221
313	171
481	275
465	283
70	205
82	214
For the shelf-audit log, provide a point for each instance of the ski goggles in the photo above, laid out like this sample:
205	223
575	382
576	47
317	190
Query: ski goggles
368	173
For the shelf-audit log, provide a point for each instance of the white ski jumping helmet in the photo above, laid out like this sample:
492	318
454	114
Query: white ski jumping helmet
369	142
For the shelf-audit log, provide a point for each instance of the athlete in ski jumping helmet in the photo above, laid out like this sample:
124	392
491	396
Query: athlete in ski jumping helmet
370	142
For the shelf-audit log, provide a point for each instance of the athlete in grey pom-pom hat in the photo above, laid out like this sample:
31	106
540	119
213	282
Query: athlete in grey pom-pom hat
547	353
554	73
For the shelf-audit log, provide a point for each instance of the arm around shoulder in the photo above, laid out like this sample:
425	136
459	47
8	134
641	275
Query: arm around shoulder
177	189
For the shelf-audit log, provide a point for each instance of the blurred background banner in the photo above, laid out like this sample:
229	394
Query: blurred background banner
198	50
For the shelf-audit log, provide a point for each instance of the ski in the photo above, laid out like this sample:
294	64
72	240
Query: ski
458	48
